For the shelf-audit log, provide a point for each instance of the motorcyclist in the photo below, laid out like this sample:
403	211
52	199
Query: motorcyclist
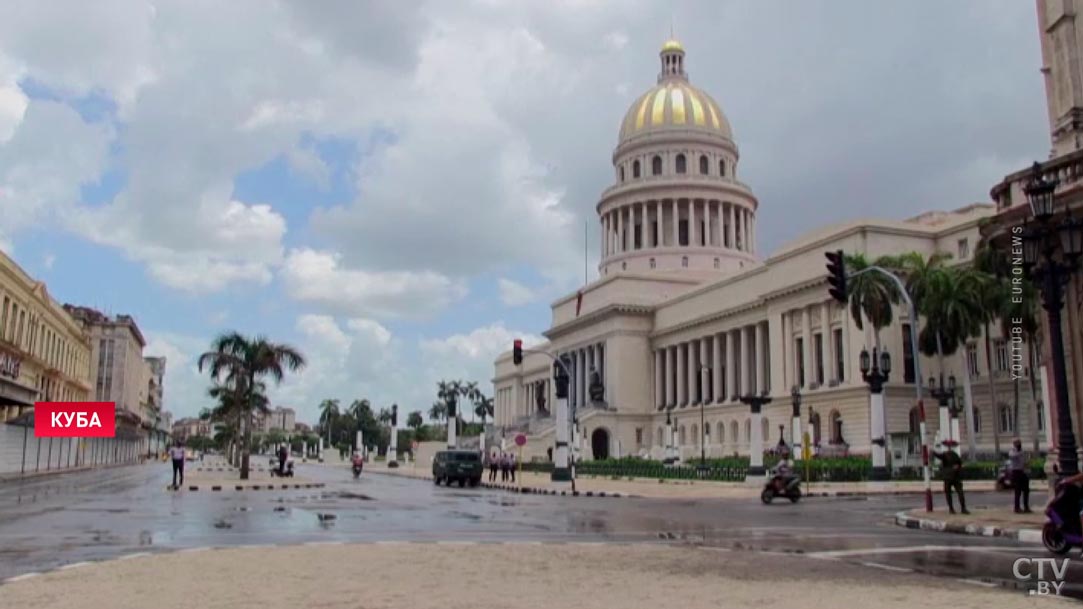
357	461
783	471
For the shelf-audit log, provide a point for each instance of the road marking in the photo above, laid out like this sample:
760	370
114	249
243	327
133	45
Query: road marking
19	578
877	565
74	565
978	582
136	555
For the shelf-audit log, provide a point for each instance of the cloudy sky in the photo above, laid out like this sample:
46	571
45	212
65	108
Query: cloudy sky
400	188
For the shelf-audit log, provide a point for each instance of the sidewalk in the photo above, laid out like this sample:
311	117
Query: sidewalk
987	522
451	575
680	489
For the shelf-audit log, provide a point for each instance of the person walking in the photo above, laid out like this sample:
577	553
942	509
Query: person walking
283	454
492	467
511	466
952	474
504	467
1017	469
177	455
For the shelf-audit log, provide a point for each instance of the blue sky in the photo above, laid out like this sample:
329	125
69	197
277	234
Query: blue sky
400	189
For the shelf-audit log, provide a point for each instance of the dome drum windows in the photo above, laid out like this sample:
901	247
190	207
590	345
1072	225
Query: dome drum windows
703	164
635	169
656	165
682	164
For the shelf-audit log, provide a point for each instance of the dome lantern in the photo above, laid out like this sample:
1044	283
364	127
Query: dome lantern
672	55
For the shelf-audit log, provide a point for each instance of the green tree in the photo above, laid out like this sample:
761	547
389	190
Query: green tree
438	412
242	362
872	296
328	413
414	420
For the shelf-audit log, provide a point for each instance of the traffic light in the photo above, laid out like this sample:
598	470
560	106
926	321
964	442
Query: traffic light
836	275
517	352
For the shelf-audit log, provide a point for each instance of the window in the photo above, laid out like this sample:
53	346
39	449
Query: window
4	318
836	427
622	173
695	434
972	358
977	419
721	432
748	430
637	237
661	437
680	435
682	164
908	355
652	263
684	261
656	166
818	344
639	435
703	164
722	168
717	263
1006	419
624	266
1041	416
1000	354
733	432
964	248
799	355
840	363
635	169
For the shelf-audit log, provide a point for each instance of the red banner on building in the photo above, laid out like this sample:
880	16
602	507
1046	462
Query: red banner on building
75	419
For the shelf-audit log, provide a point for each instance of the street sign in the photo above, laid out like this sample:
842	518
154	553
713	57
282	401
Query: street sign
520	440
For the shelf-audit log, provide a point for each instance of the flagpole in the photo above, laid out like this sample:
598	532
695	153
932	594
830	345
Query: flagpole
586	231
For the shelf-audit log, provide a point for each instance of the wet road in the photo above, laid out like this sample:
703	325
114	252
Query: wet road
49	522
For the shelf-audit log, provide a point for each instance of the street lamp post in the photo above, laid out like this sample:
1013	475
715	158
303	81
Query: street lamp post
670	450
943	394
755	449
704	372
393	447
1042	242
875	369
795	401
452	422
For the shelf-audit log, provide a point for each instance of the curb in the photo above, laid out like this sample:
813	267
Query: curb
927	524
251	487
526	490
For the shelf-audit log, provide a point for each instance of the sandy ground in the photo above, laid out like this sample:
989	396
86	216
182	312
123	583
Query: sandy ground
481	576
683	489
995	517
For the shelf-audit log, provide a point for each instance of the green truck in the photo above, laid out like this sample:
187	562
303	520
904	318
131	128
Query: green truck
460	466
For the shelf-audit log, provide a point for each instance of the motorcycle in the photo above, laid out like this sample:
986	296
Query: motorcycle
778	486
357	470
285	473
1063	529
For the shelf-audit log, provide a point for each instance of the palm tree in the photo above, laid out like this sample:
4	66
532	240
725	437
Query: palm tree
872	296
359	409
438	412
414	421
384	416
328	413
242	362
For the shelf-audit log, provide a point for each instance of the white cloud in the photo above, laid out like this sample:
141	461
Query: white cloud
471	355
513	293
319	278
48	261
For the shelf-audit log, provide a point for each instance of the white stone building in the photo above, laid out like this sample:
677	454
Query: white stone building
687	316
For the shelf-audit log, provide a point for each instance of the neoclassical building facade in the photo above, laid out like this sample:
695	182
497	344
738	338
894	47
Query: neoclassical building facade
686	316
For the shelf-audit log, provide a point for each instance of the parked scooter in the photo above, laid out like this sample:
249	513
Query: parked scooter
782	486
287	472
1063	529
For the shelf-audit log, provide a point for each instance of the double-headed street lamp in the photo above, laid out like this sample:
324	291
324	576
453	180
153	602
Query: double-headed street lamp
704	373
1051	252
755	449
875	370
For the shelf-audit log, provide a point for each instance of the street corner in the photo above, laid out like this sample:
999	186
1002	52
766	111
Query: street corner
991	522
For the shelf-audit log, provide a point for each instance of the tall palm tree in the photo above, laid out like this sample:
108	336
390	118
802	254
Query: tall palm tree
483	407
328	413
360	408
242	362
872	296
438	412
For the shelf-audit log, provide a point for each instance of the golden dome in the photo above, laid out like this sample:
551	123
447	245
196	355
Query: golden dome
674	104
672	45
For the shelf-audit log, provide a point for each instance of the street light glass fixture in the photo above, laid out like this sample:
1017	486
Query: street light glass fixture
795	395
1039	193
951	383
1071	238
1032	249
885	362
866	361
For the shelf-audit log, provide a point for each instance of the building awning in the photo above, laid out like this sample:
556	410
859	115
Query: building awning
12	393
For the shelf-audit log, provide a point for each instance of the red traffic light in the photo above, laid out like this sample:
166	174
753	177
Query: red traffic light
517	352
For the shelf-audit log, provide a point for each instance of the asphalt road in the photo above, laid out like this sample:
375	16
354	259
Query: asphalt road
98	515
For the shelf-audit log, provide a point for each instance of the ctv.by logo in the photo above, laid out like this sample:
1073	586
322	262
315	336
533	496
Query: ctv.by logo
1036	569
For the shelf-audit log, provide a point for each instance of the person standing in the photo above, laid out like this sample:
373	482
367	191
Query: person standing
504	467
177	455
492	467
952	473
283	454
511	466
1017	469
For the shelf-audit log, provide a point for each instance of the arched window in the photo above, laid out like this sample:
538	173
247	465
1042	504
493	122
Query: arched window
721	432
682	164
733	432
748	430
622	173
684	261
703	164
817	432
661	437
680	435
1005	419
836	427
624	266
716	263
977	420
707	430
656	165
722	168
695	434
765	427
635	169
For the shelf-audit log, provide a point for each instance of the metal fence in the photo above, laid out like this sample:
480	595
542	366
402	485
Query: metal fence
21	452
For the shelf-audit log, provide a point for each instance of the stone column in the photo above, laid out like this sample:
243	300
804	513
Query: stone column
716	386
747	365
755	448
806	339
681	376
515	397
719	228
658	394
676	223
671	396
659	234
582	377
728	209
692	242
620	230
828	344
731	365
693	371
704	376
761	357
